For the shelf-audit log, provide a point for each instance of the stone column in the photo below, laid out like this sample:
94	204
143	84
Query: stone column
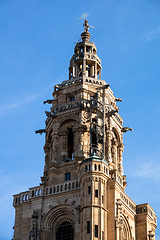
92	71
114	151
119	220
84	68
74	70
108	147
59	147
84	50
95	69
46	151
120	150
64	146
100	74
80	141
55	147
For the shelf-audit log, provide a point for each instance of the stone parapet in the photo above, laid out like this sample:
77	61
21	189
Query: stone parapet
79	80
146	209
40	191
127	201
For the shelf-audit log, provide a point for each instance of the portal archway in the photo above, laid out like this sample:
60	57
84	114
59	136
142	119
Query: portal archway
59	218
126	229
65	231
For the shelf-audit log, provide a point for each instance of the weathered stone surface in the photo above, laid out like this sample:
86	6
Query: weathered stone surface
83	187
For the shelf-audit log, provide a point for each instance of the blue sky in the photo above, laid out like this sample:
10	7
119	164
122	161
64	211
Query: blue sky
37	39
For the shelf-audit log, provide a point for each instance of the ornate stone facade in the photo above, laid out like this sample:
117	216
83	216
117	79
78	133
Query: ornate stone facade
82	193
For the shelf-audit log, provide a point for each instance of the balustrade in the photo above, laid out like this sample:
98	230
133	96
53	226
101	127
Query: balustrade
37	192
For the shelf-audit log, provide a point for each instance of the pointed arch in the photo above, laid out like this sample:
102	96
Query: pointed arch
66	121
49	136
116	134
66	138
126	229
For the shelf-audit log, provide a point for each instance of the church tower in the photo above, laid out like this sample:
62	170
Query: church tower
82	192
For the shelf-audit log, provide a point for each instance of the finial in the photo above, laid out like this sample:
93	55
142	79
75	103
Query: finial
86	35
86	25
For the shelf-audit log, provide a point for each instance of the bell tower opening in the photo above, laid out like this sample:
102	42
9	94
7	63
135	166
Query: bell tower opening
65	231
93	143
94	140
70	143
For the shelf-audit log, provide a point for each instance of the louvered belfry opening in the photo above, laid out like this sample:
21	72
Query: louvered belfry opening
65	232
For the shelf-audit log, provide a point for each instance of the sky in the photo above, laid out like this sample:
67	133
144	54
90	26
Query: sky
37	39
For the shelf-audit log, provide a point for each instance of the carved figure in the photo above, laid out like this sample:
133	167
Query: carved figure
112	112
40	131
125	129
48	101
118	100
150	235
86	25
33	234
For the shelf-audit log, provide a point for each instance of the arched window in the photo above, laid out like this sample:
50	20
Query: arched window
99	167
27	197
70	143
107	171
95	167
126	230
65	231
39	192
115	134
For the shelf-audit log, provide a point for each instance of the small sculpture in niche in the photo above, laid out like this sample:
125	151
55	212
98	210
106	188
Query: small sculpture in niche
33	234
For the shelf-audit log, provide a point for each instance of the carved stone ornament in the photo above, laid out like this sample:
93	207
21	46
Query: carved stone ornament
85	117
33	234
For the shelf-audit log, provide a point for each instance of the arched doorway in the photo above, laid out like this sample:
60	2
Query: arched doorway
65	231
